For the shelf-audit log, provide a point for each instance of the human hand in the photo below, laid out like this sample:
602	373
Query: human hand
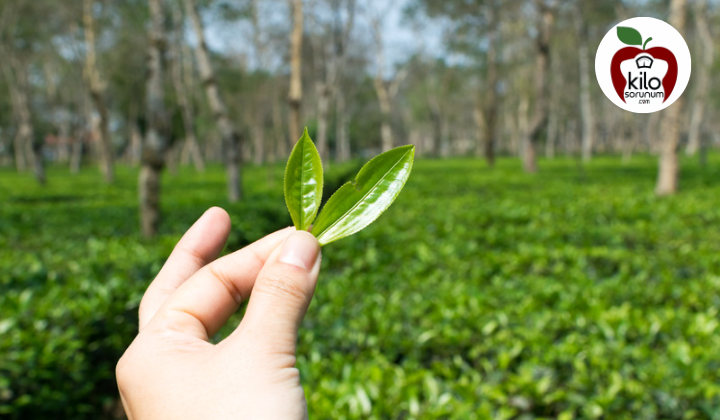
172	371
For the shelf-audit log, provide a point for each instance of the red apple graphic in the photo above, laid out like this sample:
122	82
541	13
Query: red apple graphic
630	36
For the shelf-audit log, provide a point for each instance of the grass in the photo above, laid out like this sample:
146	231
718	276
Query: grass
574	293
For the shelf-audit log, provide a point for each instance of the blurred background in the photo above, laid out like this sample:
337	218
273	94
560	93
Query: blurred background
552	256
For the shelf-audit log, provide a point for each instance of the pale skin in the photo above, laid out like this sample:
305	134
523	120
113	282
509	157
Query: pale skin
172	371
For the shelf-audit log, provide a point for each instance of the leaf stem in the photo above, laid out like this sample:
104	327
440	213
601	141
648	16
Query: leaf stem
648	40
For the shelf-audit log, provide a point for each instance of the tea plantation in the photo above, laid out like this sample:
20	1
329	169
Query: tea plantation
481	294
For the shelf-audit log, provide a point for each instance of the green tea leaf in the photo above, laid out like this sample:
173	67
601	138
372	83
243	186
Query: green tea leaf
356	205
629	36
303	182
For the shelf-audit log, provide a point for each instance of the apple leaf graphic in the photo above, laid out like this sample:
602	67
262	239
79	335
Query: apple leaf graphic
629	36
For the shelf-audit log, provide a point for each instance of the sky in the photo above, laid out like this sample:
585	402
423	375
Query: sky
400	40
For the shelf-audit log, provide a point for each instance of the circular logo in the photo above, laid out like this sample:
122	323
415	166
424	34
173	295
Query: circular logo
643	65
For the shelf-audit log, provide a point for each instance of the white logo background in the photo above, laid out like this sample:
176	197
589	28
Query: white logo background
663	35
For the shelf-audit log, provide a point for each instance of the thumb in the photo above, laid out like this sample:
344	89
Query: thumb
282	293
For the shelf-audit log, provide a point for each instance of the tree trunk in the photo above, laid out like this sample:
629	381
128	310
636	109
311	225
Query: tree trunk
529	157
631	137
381	90
552	134
386	129
214	146
135	144
260	152
295	94
281	139
97	92
155	145
650	133
704	152
586	111
343	140
669	166
386	135
522	129
446	144
258	133
63	147
525	145
436	122
28	152
61	125
258	43
479	118
323	110
324	75
491	94
19	148
329	60
21	134
181	76
571	137
667	180
38	162
76	150
701	88
342	39
553	137
230	137
172	159
542	60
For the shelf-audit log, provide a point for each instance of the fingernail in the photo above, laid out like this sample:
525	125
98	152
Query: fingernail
300	249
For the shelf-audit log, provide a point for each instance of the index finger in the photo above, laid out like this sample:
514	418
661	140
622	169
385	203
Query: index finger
201	244
201	305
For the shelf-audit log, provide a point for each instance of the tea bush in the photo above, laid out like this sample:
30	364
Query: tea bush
572	294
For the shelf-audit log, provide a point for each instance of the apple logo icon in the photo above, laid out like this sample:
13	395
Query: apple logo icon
643	75
631	36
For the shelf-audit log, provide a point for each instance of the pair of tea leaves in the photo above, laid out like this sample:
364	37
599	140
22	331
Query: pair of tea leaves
354	205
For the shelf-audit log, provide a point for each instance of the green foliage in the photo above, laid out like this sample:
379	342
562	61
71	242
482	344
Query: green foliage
486	294
357	204
73	269
354	205
303	182
496	295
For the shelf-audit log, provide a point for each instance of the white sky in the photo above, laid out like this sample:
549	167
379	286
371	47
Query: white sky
400	40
